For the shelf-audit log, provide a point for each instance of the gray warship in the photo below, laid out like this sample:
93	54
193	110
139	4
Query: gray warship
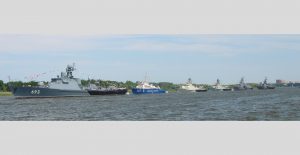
242	85
61	86
265	85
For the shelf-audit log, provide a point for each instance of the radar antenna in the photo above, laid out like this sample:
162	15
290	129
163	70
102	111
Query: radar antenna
242	80
265	81
218	82
70	70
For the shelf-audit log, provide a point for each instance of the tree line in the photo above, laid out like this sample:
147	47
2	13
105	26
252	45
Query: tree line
128	84
5	86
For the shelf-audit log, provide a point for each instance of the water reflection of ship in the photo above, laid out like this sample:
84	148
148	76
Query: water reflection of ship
220	87
265	85
189	86
242	85
61	86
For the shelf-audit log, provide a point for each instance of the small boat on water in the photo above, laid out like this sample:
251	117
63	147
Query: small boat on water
64	85
220	87
242	86
265	85
189	86
146	88
112	90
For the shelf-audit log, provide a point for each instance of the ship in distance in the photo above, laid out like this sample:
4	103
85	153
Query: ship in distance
220	87
145	87
265	85
112	90
242	85
189	86
64	85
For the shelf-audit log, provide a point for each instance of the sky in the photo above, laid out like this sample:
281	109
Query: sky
172	58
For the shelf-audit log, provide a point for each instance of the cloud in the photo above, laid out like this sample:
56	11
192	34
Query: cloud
223	45
164	56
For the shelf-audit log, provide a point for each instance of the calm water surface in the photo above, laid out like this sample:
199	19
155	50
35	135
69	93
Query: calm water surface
276	105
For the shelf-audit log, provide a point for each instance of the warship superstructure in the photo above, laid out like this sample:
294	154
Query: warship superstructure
61	86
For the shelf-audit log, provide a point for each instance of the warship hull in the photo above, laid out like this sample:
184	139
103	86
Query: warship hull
268	87
241	88
197	90
225	89
37	92
148	91
201	90
108	92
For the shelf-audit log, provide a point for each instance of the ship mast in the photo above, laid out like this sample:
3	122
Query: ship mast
265	81
242	82
146	78
190	81
70	70
218	82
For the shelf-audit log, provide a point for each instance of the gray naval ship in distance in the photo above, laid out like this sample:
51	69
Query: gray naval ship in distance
64	86
242	86
265	85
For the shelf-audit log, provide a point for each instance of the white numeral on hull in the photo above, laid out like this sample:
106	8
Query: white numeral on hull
35	92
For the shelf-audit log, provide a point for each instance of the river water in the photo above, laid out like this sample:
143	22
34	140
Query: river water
282	104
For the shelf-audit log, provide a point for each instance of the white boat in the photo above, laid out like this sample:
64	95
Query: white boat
146	88
189	86
220	87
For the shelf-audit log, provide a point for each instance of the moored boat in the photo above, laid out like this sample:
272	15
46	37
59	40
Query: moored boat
242	86
146	88
220	87
94	90
265	85
64	86
189	86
